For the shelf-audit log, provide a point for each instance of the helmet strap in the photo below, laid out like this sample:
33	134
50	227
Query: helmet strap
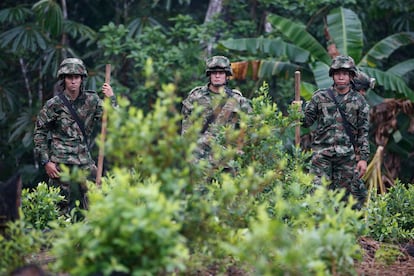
217	84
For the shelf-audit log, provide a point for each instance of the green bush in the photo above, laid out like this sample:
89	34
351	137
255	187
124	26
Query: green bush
315	235
40	205
18	245
129	228
259	215
390	217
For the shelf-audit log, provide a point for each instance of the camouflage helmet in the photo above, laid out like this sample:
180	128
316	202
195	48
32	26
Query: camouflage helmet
363	81
343	62
217	64
72	66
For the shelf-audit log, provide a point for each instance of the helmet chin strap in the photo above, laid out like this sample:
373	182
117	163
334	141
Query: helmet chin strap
349	84
218	84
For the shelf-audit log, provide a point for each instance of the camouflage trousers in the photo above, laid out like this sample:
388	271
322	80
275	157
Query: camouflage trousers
341	172
74	191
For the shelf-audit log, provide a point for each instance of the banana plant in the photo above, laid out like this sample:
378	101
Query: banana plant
345	31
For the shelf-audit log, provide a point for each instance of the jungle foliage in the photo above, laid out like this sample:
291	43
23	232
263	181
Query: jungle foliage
158	212
175	38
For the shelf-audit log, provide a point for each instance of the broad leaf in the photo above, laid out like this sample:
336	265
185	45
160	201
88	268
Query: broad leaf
384	48
281	69
346	31
321	74
50	16
307	90
297	34
390	82
274	47
402	68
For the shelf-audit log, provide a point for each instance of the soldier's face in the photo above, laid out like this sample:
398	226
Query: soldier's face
218	78
342	79
73	83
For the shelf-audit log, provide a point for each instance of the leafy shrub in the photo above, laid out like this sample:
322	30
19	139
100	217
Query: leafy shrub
129	228
18	244
388	253
313	236
40	205
260	212
390	216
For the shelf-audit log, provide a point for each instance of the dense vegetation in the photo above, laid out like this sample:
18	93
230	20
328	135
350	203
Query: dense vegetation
176	36
267	218
159	213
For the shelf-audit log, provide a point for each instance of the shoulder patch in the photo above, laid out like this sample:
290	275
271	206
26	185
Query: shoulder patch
195	89
235	91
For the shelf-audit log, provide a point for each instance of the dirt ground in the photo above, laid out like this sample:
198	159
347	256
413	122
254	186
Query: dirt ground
403	266
369	266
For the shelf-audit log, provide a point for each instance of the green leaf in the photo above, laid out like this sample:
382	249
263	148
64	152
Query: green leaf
390	82
15	15
402	68
297	34
23	38
275	47
286	70
384	48
80	31
346	31
321	74
50	16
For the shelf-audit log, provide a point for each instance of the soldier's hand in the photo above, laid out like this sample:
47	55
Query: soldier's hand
107	90
361	167
52	170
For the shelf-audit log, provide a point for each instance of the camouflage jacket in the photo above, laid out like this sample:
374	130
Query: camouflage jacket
57	136
330	134
211	103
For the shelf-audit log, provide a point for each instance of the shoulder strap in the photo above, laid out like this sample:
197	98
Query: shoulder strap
212	117
75	117
216	111
345	122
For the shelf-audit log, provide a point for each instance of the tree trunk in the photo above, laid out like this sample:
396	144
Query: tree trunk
64	40
26	81
214	7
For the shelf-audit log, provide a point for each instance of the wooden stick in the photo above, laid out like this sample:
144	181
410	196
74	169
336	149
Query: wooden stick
297	98
103	131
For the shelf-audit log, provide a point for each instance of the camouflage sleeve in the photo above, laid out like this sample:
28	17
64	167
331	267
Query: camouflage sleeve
310	113
363	130
186	112
45	121
245	104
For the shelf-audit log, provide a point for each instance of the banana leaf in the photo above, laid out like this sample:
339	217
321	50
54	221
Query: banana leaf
390	82
297	34
274	47
384	48
346	31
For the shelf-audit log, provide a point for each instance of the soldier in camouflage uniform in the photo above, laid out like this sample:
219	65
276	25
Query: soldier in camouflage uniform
58	138
220	105
362	82
334	155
